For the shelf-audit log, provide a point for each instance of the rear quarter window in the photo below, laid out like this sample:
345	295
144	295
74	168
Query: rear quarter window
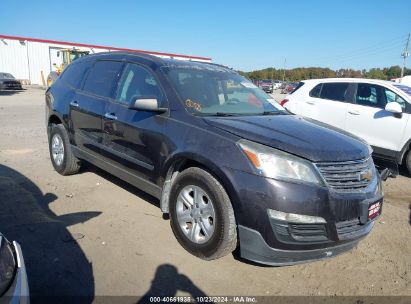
74	73
300	84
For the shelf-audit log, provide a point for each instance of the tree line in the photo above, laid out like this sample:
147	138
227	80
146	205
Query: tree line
316	72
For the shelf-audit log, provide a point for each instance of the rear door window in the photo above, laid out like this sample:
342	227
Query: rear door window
334	91
74	73
315	92
103	78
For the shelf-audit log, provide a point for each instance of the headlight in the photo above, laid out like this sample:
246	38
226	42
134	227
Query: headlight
370	150
276	164
7	265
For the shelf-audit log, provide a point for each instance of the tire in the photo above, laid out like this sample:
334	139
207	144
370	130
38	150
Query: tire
62	158
217	216
408	161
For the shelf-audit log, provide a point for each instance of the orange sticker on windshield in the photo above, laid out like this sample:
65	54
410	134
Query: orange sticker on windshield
193	104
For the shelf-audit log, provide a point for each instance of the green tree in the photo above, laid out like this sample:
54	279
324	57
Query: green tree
376	74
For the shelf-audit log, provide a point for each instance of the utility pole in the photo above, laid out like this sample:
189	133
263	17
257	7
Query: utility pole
405	55
285	60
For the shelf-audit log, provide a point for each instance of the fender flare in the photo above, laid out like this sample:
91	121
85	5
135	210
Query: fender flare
178	160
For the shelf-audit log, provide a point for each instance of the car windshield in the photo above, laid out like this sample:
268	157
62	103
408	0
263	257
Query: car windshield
6	76
266	81
216	91
404	88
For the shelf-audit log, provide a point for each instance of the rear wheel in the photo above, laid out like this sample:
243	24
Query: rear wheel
62	158
202	217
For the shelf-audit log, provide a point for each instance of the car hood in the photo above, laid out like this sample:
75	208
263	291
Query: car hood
300	136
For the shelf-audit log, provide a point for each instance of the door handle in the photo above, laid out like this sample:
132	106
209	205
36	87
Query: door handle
74	103
354	112
111	116
310	102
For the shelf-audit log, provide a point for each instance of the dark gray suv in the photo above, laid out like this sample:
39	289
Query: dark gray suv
229	164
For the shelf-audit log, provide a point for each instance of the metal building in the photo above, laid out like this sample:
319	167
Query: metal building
32	59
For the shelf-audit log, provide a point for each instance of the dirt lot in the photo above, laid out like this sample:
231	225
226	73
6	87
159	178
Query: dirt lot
92	234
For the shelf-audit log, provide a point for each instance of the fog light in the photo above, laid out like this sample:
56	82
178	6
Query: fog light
295	218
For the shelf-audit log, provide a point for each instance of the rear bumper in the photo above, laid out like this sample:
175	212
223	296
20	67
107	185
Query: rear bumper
254	248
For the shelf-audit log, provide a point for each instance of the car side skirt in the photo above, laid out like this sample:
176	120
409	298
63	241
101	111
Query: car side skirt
130	178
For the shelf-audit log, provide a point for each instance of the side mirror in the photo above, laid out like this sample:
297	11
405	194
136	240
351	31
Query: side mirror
146	104
393	107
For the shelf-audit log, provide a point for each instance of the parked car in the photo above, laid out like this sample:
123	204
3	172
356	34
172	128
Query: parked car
229	165
377	111
8	82
13	277
267	85
406	80
277	84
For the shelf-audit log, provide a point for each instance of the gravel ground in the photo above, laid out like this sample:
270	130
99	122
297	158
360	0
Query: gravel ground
91	234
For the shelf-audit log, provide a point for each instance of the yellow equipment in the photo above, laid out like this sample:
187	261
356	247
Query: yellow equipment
68	55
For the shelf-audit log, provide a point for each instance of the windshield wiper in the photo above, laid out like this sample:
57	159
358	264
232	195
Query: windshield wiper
221	114
271	113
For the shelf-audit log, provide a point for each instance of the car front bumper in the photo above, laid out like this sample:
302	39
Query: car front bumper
254	248
267	240
19	289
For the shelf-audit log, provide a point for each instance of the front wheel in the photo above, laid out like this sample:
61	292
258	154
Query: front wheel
202	217
408	161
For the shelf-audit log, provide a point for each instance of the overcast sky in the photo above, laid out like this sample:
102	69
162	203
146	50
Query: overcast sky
245	35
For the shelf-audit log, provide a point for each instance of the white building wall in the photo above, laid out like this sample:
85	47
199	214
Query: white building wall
28	60
39	62
13	58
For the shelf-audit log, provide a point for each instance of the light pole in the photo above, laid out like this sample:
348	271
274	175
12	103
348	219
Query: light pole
285	60
405	55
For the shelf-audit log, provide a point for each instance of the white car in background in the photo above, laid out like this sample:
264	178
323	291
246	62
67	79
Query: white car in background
377	111
277	84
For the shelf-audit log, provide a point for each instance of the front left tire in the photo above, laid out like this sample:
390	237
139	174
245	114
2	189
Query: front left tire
201	214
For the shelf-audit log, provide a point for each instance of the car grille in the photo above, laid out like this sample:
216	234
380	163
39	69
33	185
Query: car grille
349	175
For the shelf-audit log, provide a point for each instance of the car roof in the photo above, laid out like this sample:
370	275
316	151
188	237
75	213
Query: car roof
355	80
393	85
158	61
